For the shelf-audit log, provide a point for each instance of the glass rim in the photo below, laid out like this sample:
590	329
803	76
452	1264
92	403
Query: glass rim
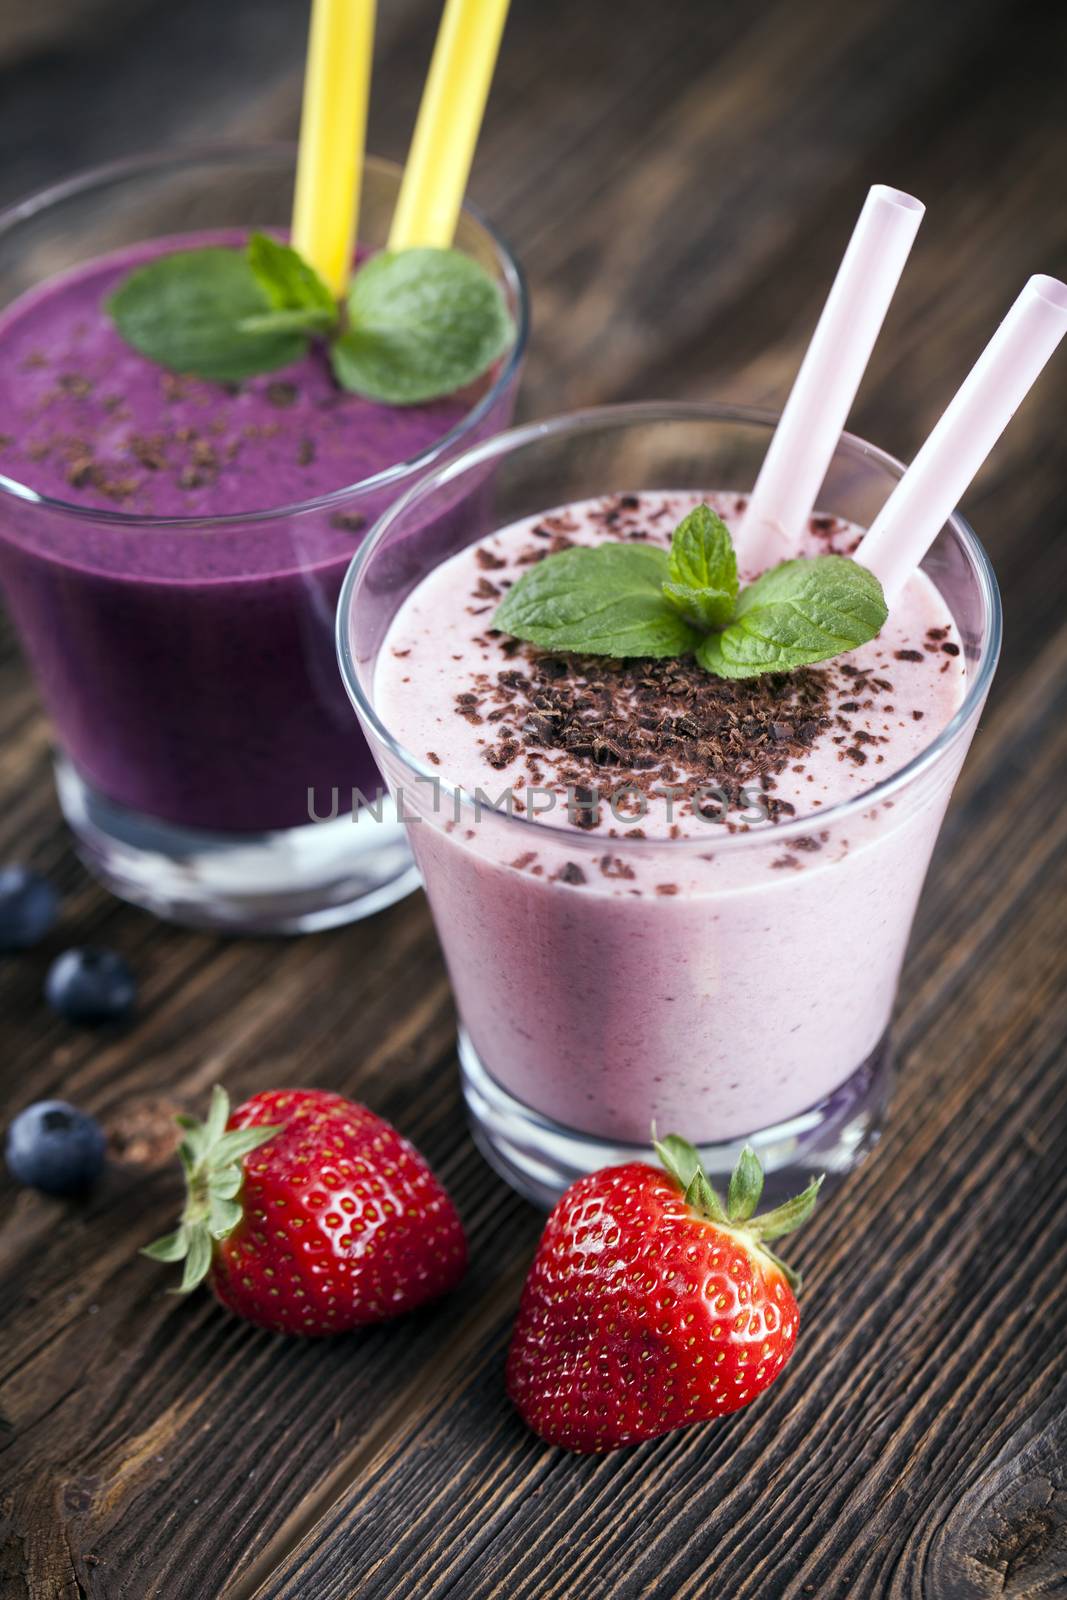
667	411
265	151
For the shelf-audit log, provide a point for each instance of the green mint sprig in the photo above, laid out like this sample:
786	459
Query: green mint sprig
702	568
421	323
630	599
417	324
299	299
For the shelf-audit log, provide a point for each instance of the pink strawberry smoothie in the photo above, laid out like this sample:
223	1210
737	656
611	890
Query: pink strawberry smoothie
724	960
189	669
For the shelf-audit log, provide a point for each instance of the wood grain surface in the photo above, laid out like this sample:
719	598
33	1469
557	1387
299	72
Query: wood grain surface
680	180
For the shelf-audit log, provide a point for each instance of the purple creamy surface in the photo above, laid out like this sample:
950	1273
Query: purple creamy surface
84	418
189	672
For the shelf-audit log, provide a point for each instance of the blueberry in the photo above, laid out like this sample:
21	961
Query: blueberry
28	908
55	1147
90	986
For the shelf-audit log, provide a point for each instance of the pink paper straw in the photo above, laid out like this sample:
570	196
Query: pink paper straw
830	374
996	386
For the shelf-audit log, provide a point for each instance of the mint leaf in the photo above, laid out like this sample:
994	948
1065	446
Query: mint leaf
800	612
185	311
606	600
422	323
702	608
296	292
301	322
702	552
636	600
702	584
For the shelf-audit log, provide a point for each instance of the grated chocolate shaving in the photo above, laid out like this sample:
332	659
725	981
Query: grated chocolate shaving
603	725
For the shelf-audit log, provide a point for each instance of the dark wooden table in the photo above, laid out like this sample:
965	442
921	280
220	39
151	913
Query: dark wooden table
680	180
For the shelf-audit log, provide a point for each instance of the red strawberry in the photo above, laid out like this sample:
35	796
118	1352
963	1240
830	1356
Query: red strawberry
309	1214
651	1305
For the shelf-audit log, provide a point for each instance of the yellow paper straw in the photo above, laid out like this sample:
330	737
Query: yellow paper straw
450	116
333	128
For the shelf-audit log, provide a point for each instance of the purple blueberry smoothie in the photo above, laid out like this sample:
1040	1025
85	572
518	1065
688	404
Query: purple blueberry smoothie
188	668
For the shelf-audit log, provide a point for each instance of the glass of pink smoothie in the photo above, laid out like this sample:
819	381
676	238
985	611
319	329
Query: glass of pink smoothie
171	552
663	899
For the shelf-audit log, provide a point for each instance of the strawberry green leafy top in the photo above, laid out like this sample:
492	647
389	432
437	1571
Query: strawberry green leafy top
211	1159
682	1162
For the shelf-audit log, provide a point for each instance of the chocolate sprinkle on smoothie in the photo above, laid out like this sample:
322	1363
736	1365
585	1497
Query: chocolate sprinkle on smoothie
348	521
282	394
646	724
624	746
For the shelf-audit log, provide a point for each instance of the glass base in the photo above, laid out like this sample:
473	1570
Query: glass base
295	880
540	1158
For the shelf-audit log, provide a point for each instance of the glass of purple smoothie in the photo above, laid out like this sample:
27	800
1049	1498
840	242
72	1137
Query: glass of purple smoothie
726	966
171	552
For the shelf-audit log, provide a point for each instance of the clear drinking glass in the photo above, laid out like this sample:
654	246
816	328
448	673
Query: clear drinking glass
756	1009
187	664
